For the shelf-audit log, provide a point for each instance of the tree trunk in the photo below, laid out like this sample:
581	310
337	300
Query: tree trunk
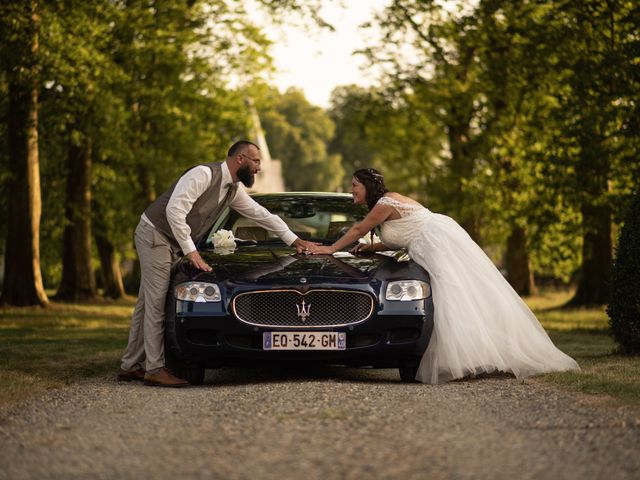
461	169
519	273
111	275
147	181
78	279
597	247
459	132
22	275
597	256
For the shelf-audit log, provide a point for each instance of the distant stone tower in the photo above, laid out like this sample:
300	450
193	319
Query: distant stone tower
270	177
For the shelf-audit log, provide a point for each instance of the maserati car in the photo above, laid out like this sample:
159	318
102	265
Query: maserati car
265	304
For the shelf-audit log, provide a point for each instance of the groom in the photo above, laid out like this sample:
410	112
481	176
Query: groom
174	223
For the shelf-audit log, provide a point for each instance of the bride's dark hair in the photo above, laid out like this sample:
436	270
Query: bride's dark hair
373	182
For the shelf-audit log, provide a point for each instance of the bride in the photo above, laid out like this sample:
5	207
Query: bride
481	325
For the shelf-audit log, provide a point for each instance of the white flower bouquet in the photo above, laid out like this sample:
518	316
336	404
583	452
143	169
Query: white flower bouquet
224	241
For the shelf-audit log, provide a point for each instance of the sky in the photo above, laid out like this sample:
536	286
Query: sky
317	61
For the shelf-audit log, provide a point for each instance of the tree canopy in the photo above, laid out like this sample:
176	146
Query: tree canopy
522	117
518	118
124	96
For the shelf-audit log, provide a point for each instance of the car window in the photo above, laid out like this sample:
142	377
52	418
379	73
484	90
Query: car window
319	218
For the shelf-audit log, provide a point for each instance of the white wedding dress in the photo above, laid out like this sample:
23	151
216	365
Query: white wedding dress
481	325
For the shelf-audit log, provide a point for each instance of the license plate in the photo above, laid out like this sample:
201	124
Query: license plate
304	341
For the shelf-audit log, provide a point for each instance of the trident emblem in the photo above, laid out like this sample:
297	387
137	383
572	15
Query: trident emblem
303	313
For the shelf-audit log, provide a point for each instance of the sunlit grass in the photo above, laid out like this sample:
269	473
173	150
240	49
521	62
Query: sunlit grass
585	320
585	335
47	348
615	376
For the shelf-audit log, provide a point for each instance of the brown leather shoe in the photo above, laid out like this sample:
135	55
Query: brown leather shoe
130	375
164	379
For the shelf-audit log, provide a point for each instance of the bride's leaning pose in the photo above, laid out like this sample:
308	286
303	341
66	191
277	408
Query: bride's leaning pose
481	325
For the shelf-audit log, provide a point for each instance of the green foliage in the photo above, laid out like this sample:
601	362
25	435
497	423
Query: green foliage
354	110
298	134
555	249
145	84
624	305
527	114
502	114
388	130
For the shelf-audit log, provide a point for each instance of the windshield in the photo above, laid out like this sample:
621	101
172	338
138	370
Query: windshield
318	218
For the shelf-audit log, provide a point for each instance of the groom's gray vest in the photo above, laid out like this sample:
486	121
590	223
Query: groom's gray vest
204	212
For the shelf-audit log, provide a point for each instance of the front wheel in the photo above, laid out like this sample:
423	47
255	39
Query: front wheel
408	370
194	374
191	372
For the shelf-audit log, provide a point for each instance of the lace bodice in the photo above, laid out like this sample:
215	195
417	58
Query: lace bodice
400	232
403	208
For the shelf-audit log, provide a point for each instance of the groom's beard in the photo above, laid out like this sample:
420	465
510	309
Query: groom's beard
246	176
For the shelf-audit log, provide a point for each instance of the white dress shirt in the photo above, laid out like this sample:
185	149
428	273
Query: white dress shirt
193	184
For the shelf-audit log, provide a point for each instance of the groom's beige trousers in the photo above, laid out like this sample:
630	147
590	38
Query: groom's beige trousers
146	337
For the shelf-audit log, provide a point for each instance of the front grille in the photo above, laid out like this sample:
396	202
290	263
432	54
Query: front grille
284	308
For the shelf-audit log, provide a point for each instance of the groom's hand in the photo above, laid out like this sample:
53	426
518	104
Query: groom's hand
302	246
196	260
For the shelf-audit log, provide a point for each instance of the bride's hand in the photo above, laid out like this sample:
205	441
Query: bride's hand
320	250
362	248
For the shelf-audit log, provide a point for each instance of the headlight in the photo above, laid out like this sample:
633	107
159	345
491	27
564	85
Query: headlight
198	292
405	290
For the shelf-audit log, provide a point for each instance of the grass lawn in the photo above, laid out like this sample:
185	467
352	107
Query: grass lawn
585	335
47	348
44	348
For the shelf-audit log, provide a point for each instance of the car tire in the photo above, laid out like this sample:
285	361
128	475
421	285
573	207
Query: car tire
194	374
408	370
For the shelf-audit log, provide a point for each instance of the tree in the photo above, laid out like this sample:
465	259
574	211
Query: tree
20	23
78	279
536	100
141	104
594	60
131	93
442	75
84	73
457	76
388	129
298	134
353	111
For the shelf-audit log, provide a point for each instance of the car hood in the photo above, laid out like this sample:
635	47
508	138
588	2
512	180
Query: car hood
278	264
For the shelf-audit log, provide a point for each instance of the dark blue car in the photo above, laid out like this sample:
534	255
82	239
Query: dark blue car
263	303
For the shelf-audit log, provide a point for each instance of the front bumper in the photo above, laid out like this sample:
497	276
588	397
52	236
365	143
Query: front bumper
208	335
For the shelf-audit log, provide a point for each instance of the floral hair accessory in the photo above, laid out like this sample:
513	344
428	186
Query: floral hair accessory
377	177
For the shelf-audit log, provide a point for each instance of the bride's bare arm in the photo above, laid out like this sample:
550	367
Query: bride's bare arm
376	216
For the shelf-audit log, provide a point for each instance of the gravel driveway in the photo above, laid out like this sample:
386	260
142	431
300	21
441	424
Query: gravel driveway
318	423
